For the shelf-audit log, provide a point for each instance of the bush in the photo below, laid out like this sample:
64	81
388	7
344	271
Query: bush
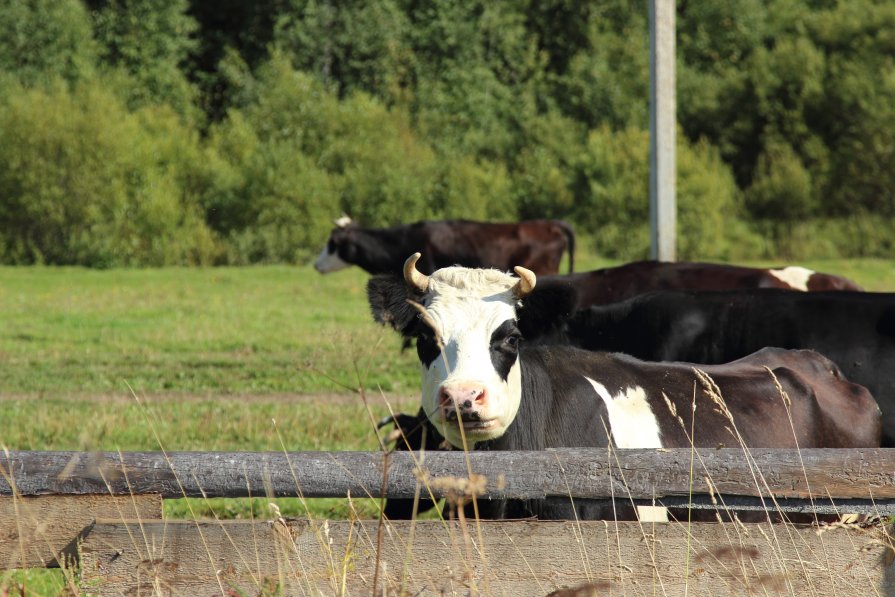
298	152
88	183
476	190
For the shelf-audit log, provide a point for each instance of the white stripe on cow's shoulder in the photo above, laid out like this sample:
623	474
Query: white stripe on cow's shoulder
631	421
795	276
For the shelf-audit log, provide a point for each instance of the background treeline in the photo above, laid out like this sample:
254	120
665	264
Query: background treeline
151	132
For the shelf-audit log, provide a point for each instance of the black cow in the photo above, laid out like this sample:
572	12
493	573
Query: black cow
483	387
535	244
856	330
612	284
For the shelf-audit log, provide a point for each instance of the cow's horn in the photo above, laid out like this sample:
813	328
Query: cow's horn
526	283
414	278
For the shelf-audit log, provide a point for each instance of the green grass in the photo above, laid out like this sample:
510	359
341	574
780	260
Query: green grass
206	331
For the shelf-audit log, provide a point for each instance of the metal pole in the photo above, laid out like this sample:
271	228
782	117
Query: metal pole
662	130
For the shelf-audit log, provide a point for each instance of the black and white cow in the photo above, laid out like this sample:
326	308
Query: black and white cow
856	330
536	244
483	387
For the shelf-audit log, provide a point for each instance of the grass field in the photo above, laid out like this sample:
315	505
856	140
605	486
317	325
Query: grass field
262	358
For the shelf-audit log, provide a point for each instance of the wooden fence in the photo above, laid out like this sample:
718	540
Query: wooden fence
103	513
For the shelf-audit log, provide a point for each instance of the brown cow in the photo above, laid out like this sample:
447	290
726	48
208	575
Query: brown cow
612	284
535	244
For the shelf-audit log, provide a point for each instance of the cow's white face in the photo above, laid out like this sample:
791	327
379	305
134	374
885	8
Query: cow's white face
472	387
329	260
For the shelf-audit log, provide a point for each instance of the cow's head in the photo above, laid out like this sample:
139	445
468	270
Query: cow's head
468	325
338	253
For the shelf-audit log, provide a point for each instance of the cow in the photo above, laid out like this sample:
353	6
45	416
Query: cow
856	330
535	244
483	387
612	284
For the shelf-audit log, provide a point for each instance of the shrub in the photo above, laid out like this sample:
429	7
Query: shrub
298	156
89	183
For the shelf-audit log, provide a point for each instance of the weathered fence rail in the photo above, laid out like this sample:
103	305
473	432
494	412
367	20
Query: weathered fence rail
579	472
103	509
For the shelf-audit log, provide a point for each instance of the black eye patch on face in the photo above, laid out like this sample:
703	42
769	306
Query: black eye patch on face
426	345
504	347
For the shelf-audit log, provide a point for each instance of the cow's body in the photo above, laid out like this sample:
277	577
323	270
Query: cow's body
570	397
536	244
482	388
612	284
856	330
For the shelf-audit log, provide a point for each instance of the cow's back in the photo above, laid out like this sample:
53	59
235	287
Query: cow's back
571	410
534	244
856	330
613	284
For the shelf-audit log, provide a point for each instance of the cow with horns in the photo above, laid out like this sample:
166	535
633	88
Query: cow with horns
537	244
483	387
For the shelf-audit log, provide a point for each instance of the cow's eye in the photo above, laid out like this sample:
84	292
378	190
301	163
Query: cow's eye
512	341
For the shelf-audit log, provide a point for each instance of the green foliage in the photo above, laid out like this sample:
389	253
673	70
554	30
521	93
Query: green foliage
149	40
781	189
357	45
617	206
304	156
473	189
90	183
44	39
608	79
230	132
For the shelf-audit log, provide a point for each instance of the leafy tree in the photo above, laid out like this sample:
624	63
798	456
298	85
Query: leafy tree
229	31
44	39
607	81
356	45
150	41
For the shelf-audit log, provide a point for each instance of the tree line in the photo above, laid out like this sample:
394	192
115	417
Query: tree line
157	132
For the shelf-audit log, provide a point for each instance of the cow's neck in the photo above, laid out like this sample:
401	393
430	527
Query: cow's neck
549	416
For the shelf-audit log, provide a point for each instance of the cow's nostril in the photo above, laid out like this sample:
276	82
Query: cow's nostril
462	397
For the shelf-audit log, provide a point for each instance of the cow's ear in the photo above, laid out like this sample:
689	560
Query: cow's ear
546	309
388	296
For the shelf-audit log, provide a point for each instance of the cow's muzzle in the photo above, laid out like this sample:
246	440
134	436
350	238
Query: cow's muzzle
464	403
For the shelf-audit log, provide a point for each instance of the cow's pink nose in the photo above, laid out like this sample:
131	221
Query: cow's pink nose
466	397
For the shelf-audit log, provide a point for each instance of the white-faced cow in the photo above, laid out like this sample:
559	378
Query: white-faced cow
536	244
612	284
856	330
483	386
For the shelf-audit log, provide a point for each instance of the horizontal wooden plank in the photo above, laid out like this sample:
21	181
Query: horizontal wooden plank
40	531
492	558
581	473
